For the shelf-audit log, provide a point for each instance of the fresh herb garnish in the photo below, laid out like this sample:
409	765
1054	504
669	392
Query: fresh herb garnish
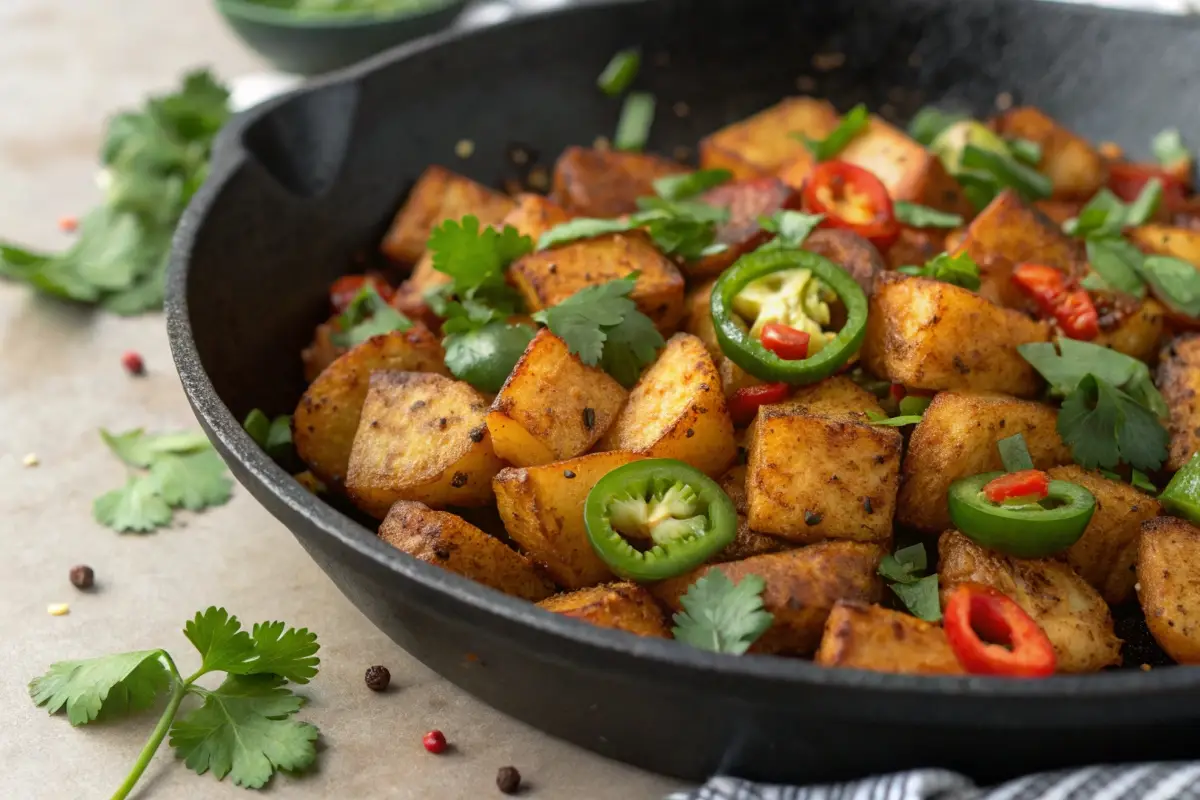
1106	215
919	216
1014	453
722	616
620	72
912	409
1139	480
1169	149
960	270
919	594
633	127
1004	171
274	436
930	121
853	123
791	228
1175	282
367	315
242	728
1026	151
476	258
484	357
1118	263
690	184
683	228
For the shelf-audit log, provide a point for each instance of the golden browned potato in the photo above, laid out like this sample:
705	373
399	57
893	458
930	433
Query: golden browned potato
956	438
915	246
801	587
926	334
698	321
869	637
677	410
424	277
1106	555
624	606
1168	574
450	542
1073	615
835	396
542	509
747	201
533	215
548	277
762	144
322	352
821	476
1076	169
421	437
326	418
607	183
439	195
849	251
1178	379
1138	333
1059	211
552	406
1165	240
748	542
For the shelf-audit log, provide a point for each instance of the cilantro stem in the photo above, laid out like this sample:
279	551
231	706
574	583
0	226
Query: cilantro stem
160	730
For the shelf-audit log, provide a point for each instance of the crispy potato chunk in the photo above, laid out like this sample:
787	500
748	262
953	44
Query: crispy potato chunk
802	586
542	509
915	246
450	542
623	606
762	144
698	321
1165	240
1137	334
677	410
322	352
326	418
1106	555
926	334
747	201
1070	611
439	195
849	251
957	438
869	637
748	542
548	277
835	396
542	411
533	215
1076	169
821	476
421	437
1168	574
607	183
1178	379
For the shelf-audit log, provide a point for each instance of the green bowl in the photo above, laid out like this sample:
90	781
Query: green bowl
310	44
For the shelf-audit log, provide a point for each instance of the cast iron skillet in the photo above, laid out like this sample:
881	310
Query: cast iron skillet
301	186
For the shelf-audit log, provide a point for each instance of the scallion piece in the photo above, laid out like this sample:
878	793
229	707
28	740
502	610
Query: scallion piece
633	128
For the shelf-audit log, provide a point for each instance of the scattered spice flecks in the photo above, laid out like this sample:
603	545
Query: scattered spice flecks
378	678
434	742
31	460
133	363
58	609
82	577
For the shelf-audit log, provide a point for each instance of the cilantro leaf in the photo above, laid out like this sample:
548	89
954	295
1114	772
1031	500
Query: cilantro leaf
581	319
637	117
1106	215
960	270
136	506
629	346
914	404
485	357
475	257
900	566
585	228
367	315
721	616
279	650
1103	426
852	124
1117	262
921	597
620	72
1141	438
919	216
1169	149
1077	359
1139	480
194	481
272	435
219	638
791	228
242	730
690	184
114	684
140	449
1175	282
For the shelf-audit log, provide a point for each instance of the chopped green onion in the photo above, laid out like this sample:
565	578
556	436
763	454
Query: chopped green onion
690	184
919	216
1026	151
852	124
1007	171
633	128
620	72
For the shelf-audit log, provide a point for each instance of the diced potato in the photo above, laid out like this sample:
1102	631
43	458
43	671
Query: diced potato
1076	169
424	277
1059	211
450	542
1178	379
926	334
747	201
762	144
542	509
439	195
1168	574
835	396
533	215
821	476
956	438
878	639
542	411
326	418
1106	555
849	251
699	322
748	543
422	437
1167	241
916	246
322	352
801	588
1073	615
623	606
607	183
1137	334
548	277
677	410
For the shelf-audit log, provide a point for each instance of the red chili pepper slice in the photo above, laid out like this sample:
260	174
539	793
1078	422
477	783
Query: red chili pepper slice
1073	309
1028	484
1126	180
852	198
991	635
744	404
346	288
785	341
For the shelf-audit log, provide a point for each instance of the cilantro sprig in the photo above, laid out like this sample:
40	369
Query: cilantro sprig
791	228
960	270
367	315
852	124
243	728
919	594
273	435
722	616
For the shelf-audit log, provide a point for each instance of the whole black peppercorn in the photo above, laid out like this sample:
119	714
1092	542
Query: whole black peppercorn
377	678
812	518
82	577
508	780
589	418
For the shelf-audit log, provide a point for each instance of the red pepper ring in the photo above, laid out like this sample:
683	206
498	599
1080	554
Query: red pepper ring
853	199
1029	485
744	404
978	615
785	341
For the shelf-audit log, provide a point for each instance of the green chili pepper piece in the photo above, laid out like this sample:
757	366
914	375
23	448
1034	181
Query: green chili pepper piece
749	354
1182	495
1030	530
655	519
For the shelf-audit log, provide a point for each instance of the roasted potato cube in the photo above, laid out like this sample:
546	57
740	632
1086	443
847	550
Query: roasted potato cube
548	277
881	640
915	246
843	486
439	195
1138	333
321	352
1076	169
849	251
1168	241
748	542
1178	379
698	321
1073	615
533	215
1168	573
926	334
1106	555
607	183
326	418
450	542
552	406
956	438
801	587
677	410
762	144
422	437
542	509
836	396
623	606
747	201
